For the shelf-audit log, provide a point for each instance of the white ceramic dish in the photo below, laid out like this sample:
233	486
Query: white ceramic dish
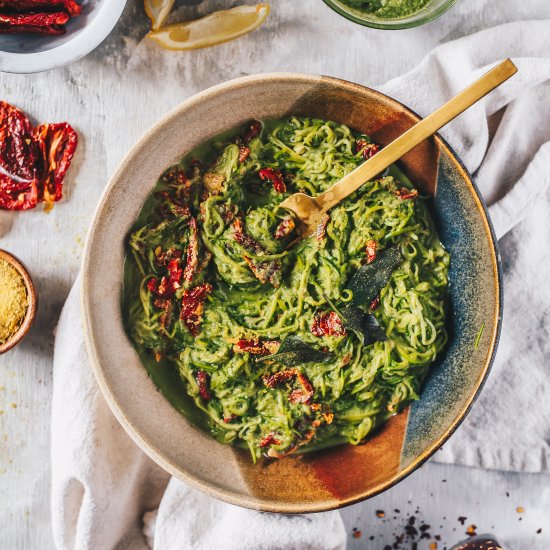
26	53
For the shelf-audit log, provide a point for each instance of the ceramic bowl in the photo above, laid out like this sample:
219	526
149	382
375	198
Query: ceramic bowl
32	298
342	475
27	53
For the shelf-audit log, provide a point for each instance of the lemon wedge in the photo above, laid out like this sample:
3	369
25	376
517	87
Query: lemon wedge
157	11
218	27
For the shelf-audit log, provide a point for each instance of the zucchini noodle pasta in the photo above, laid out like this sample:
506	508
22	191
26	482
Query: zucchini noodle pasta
287	345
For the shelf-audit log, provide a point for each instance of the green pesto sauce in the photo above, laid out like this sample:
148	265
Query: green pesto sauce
387	9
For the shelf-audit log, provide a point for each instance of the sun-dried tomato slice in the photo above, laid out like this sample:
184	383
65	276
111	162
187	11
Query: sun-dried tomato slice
253	130
192	259
52	30
70	6
328	323
203	381
167	286
269	440
244	152
192	307
58	144
375	304
275	177
405	193
16	195
304	394
322	227
285	228
255	346
367	149
371	247
34	19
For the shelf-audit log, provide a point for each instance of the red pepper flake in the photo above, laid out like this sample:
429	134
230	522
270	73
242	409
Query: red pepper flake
269	440
367	149
405	193
253	130
328	323
285	228
375	304
203	380
192	307
371	247
321	228
244	151
255	346
275	177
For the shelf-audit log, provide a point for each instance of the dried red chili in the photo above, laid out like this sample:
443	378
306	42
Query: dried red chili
244	151
34	19
371	247
285	228
269	440
192	307
367	149
58	144
405	193
203	381
255	346
328	323
275	177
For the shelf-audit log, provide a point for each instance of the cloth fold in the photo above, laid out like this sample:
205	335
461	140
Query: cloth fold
103	484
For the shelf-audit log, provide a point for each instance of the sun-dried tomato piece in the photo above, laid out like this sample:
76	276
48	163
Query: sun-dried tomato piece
168	285
166	306
253	130
272	380
285	228
34	19
255	346
405	193
58	144
22	5
375	303
371	247
164	257
275	177
15	197
192	258
203	381
244	151
305	393
328	323
264	271
228	419
322	227
269	440
192	307
51	30
367	149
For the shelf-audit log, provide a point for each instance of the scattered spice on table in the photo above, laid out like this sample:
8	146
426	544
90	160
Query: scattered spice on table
36	16
33	160
380	514
13	300
471	530
520	509
462	519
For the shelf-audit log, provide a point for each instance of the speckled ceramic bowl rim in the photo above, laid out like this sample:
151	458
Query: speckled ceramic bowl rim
32	298
174	469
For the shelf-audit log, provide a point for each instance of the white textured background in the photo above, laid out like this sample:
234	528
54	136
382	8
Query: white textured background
111	97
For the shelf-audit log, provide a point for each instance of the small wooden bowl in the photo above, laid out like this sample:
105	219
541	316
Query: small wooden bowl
32	298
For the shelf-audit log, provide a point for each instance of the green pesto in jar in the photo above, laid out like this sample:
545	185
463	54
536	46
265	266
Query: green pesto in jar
387	9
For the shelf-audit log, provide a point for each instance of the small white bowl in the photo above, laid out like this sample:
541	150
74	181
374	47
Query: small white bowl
28	53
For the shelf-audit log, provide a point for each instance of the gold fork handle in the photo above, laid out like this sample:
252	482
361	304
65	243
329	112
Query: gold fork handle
418	133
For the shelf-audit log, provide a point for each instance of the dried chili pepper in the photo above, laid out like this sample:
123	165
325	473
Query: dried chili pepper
255	346
275	177
405	193
203	381
58	144
371	247
34	19
367	149
269	440
192	307
244	152
285	228
328	323
70	6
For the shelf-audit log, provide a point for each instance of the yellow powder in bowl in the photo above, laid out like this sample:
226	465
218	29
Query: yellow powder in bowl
13	300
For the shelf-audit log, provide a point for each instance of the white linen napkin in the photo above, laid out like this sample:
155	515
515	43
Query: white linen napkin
105	490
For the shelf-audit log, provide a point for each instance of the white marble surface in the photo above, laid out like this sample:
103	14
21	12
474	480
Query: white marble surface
112	97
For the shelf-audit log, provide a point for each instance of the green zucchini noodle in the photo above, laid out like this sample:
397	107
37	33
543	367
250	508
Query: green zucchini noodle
278	288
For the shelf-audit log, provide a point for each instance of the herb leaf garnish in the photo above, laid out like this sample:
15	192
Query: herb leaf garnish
371	278
294	351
